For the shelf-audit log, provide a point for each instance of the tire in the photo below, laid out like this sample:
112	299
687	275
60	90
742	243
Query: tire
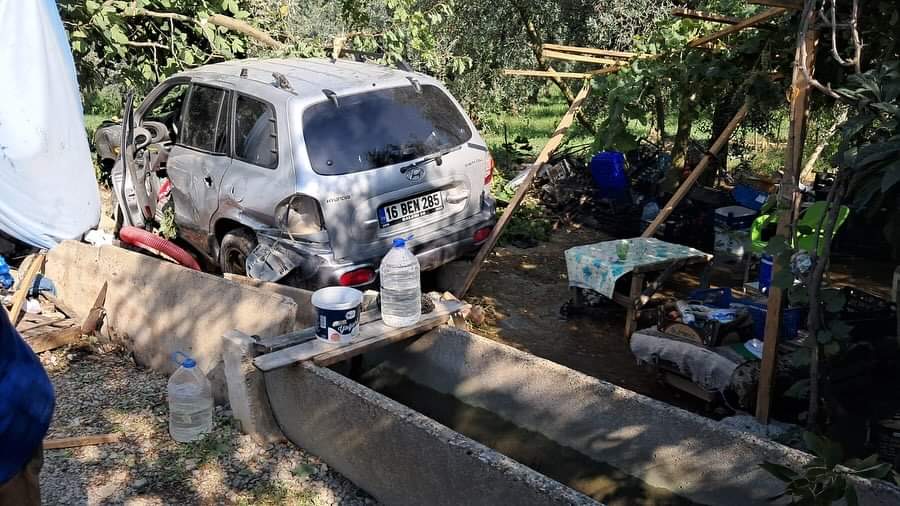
234	249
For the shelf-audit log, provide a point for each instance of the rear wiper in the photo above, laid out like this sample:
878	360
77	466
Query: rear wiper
436	157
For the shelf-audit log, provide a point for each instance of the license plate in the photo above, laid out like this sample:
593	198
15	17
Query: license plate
405	210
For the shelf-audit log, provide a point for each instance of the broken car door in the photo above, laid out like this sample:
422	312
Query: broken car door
199	160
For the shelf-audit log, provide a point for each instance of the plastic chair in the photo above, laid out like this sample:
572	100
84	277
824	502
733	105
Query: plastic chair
763	228
807	228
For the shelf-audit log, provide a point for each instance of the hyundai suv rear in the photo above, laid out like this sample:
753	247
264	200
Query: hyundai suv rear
303	171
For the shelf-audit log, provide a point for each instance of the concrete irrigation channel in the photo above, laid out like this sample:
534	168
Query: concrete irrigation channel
447	418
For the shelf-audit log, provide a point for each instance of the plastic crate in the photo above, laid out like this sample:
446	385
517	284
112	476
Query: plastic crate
792	318
749	197
713	297
734	217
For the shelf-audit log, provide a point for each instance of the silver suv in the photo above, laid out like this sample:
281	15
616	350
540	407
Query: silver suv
303	170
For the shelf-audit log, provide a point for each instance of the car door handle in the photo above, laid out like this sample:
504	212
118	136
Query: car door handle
208	180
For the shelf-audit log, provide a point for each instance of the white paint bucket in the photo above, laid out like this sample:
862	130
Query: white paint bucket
337	313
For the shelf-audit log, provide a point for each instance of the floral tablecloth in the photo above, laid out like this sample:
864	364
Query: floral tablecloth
597	267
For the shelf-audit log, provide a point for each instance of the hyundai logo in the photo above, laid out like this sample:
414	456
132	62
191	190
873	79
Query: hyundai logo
415	174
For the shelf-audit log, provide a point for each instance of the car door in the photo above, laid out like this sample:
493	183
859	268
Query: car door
199	161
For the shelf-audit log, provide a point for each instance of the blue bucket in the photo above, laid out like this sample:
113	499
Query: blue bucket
608	171
337	313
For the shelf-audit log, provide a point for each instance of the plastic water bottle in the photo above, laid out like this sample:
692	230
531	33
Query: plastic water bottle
190	401
401	287
6	279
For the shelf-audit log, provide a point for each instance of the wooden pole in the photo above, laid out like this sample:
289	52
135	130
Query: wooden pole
747	23
695	174
37	262
788	200
542	158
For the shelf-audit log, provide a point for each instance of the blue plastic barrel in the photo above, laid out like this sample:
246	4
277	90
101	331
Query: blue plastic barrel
765	273
608	171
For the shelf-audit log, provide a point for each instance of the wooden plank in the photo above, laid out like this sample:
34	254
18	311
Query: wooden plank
37	263
275	343
634	294
60	305
54	322
695	174
626	55
89	325
547	73
705	16
793	156
785	4
73	442
523	188
751	21
54	339
369	335
557	55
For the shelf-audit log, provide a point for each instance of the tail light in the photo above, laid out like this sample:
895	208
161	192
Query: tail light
489	175
481	234
357	277
300	215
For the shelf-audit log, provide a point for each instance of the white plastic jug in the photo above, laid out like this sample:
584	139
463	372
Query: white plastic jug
190	401
401	287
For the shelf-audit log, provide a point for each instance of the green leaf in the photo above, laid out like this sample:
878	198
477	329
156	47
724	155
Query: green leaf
779	471
91	6
118	35
303	470
777	245
831	349
823	336
798	295
891	176
878	471
815	444
783	279
834	300
799	390
840	329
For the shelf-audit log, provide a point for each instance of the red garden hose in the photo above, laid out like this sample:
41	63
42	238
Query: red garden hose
148	240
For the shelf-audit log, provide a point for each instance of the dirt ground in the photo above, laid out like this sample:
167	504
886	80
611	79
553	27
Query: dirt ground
523	290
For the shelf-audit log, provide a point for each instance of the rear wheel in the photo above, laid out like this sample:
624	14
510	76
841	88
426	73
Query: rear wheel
235	248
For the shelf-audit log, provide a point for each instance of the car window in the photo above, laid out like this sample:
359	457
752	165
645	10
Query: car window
166	108
381	127
206	120
255	133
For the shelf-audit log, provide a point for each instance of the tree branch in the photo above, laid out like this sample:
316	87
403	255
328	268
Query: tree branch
156	45
228	22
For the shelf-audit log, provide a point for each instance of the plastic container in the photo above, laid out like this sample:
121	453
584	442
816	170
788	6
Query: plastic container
749	197
190	401
712	297
6	279
608	171
765	273
401	287
792	318
734	217
337	313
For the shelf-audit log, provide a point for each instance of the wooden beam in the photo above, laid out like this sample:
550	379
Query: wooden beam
784	4
73	442
751	21
548	53
547	73
37	263
799	107
523	188
625	55
695	174
705	16
55	338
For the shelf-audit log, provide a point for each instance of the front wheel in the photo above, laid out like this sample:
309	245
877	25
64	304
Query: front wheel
234	250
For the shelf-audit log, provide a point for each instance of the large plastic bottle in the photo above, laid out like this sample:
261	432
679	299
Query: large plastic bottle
190	401
401	287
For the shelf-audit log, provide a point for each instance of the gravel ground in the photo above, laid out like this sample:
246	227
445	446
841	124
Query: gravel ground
99	393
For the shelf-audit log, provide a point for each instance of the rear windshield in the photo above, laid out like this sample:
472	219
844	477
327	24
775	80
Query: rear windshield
381	127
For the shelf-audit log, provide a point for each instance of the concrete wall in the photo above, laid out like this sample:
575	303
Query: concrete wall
306	312
663	445
159	307
398	455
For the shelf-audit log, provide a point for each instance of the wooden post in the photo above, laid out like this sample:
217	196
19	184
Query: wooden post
37	263
695	174
747	23
799	111
542	158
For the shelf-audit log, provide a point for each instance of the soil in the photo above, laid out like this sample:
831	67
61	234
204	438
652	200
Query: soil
522	291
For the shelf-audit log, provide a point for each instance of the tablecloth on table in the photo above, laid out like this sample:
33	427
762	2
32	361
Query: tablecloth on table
596	267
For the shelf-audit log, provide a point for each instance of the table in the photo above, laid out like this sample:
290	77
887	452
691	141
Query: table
597	267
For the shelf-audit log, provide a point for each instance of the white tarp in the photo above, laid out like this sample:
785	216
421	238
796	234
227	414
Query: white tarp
48	189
